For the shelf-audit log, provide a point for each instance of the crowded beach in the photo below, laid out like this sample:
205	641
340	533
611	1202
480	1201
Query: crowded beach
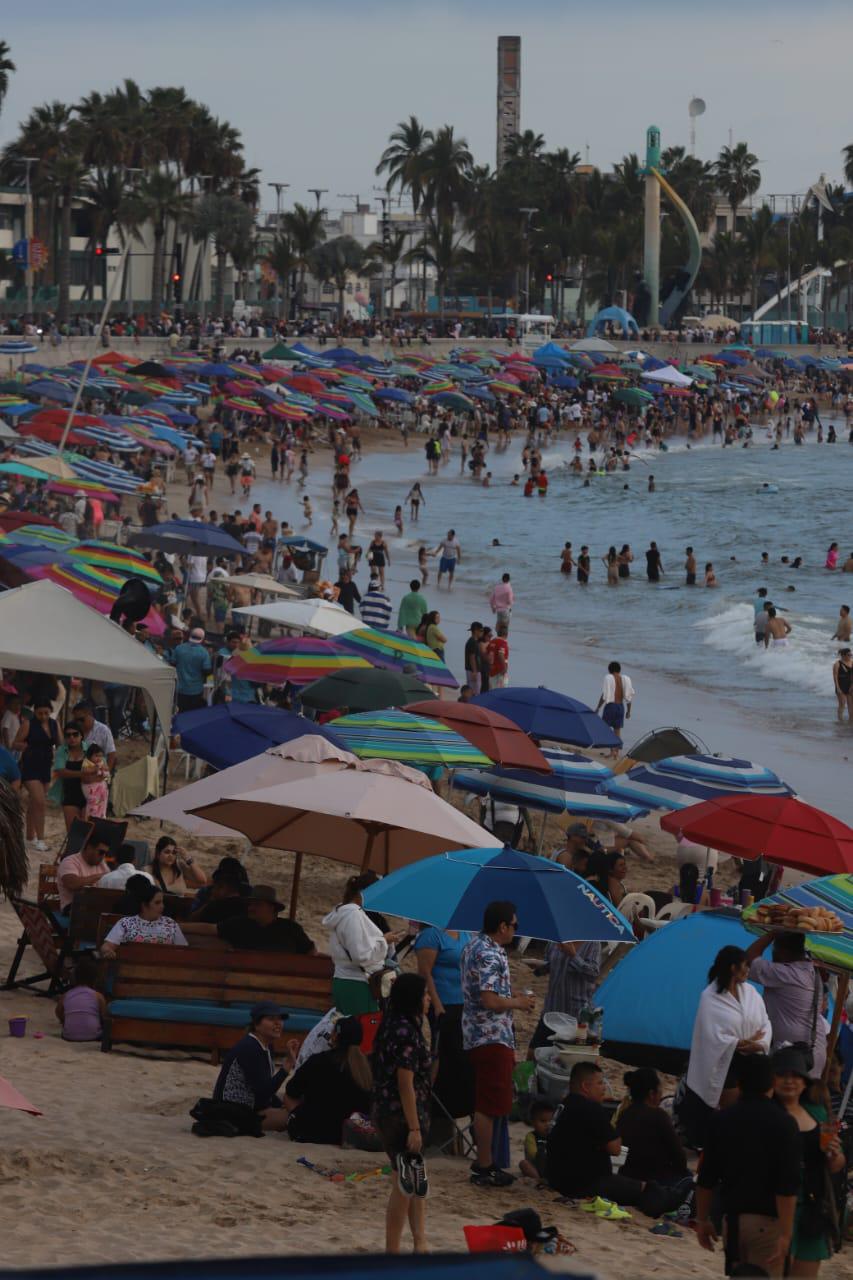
297	868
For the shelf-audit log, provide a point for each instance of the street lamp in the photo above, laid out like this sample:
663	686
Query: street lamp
528	212
28	162
279	187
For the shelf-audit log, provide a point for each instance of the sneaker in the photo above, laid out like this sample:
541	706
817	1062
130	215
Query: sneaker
419	1175
405	1173
595	1204
491	1176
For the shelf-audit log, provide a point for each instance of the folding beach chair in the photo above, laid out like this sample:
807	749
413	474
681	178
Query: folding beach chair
447	1136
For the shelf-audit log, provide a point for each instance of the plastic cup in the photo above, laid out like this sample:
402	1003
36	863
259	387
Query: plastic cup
828	1130
716	897
18	1027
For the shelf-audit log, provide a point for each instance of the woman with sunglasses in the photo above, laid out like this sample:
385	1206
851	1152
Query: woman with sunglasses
68	772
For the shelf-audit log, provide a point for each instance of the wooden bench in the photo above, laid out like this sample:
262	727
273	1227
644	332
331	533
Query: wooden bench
199	998
90	904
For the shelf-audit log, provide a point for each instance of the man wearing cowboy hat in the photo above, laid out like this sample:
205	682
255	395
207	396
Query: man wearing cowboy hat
261	929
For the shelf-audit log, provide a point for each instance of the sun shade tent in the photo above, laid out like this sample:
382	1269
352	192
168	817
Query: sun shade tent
44	628
660	744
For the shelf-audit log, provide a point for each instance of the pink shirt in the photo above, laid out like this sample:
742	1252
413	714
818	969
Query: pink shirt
502	597
76	865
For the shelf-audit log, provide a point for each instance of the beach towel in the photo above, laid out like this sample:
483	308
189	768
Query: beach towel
721	1021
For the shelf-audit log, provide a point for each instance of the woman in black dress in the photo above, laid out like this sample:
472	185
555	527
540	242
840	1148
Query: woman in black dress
37	740
73	797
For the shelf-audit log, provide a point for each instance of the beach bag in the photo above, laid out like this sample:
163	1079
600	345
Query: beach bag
360	1134
495	1239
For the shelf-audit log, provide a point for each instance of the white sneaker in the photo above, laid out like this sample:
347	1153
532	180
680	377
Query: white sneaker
40	845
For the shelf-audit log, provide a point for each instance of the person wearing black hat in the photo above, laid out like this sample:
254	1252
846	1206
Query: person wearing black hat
245	1096
261	930
329	1087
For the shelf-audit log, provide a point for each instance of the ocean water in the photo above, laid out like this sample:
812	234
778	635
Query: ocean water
707	497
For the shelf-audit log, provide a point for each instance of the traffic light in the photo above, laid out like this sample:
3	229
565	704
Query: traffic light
549	278
178	275
386	233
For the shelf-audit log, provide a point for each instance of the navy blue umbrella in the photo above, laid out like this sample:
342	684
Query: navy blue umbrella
453	890
551	716
394	393
187	538
231	732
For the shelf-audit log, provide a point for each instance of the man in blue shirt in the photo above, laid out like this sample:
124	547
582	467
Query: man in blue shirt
192	664
241	690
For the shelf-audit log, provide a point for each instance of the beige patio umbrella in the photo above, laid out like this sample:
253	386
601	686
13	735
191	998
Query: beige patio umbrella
358	816
53	466
719	322
317	615
263	582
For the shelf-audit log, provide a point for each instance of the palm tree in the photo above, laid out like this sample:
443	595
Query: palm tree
229	224
337	260
695	182
402	160
738	176
757	235
440	248
305	229
282	261
446	174
159	200
848	162
389	255
6	67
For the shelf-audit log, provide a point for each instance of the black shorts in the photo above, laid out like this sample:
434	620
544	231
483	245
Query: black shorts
393	1130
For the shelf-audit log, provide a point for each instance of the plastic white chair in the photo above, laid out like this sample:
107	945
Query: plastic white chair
673	911
637	904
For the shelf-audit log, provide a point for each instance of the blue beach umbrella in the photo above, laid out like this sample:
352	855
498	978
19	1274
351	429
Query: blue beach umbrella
576	784
231	732
394	393
551	716
679	781
651	997
451	891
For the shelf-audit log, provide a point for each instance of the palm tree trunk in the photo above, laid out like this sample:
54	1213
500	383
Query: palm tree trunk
220	280
62	308
341	296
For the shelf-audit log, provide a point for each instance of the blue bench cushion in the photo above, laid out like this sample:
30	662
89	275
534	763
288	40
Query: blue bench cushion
211	1015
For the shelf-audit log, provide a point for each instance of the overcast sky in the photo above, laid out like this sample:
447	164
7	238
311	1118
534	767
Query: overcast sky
315	88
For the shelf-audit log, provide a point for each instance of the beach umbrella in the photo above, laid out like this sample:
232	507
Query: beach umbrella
292	660
596	345
98	588
10	520
231	732
681	781
309	752
41	535
120	560
16	347
54	466
633	396
397	735
576	784
397	652
187	538
675	960
394	394
360	690
493	734
365	819
545	714
782	829
322	616
22	469
452	890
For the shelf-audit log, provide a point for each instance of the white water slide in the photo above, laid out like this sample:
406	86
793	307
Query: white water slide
799	287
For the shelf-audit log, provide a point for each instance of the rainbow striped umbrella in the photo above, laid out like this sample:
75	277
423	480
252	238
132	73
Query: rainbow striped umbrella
292	660
288	412
97	588
88	486
118	560
243	404
397	652
506	388
399	735
44	535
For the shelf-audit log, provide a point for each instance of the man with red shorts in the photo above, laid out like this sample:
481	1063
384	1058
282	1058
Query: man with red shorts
488	1034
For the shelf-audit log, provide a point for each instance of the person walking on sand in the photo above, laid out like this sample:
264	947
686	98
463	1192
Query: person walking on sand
501	601
617	696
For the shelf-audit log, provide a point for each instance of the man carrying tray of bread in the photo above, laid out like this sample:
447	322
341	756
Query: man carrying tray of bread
793	993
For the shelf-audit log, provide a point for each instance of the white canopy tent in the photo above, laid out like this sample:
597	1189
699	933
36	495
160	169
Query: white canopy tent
669	376
45	628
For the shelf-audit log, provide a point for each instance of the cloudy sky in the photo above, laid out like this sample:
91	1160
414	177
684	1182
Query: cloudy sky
316	87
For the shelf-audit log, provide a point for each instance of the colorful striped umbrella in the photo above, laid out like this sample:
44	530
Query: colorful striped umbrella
119	560
396	652
43	535
576	784
399	735
243	405
292	660
834	893
505	388
88	486
97	588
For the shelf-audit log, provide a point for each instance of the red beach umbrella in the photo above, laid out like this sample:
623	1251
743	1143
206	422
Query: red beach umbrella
493	734
781	828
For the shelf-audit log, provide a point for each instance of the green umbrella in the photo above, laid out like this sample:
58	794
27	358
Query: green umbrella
633	396
137	397
364	690
282	352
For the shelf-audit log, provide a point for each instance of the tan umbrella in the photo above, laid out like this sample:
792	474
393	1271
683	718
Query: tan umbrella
719	322
53	466
360	817
260	582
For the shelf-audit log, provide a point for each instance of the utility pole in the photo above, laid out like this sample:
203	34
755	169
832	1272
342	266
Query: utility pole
279	187
385	230
28	162
317	193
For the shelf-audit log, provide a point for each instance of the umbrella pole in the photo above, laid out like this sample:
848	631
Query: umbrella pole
368	850
832	1038
542	832
294	888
